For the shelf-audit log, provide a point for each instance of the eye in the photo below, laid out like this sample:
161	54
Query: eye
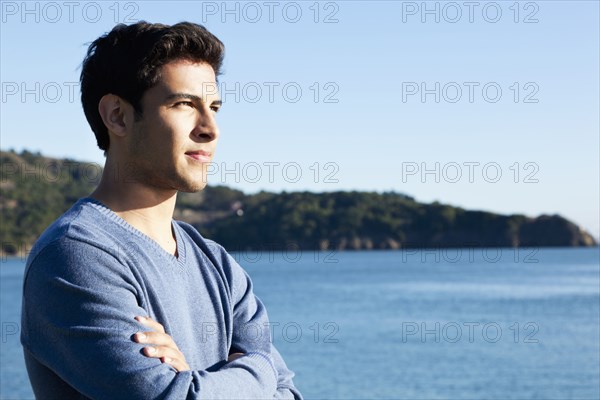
215	108
184	103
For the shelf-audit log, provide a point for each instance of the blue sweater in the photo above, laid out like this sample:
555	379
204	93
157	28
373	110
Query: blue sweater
91	273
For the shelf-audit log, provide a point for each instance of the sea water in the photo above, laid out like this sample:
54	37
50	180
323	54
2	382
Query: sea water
413	324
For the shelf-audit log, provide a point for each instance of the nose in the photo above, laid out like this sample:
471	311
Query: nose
206	129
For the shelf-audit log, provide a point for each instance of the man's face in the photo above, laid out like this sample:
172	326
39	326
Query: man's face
171	147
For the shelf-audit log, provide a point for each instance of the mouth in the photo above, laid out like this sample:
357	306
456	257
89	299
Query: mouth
200	155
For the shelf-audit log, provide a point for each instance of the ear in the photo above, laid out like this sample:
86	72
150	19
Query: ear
114	113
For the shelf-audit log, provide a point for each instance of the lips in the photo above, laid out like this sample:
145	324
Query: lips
199	155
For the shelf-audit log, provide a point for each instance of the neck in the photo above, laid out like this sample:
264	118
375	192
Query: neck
146	208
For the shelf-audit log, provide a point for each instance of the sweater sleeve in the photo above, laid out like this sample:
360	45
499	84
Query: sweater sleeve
79	304
252	330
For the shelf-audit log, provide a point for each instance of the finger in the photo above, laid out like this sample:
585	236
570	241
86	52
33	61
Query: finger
168	356
161	351
234	356
179	365
156	339
151	323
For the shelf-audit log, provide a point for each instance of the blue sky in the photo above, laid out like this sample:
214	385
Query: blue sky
483	105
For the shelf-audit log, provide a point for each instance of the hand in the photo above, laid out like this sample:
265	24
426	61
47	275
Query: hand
162	346
233	356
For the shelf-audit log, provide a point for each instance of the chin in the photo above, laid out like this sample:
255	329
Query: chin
192	187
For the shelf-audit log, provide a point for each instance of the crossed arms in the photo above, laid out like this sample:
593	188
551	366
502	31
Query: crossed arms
80	333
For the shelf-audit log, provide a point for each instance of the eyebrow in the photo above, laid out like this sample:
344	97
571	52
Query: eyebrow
198	99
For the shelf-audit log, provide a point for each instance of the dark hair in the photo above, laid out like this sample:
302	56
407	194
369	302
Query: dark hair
127	61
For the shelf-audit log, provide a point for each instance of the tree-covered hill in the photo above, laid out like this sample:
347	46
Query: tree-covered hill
35	190
366	220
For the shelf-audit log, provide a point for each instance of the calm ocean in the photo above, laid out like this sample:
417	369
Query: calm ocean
419	324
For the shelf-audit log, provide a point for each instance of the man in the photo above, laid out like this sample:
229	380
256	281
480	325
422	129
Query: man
119	300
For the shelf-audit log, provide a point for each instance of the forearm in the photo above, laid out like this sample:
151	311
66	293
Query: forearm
88	359
285	386
249	376
252	332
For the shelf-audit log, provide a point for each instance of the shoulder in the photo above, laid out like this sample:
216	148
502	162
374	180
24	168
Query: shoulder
78	243
80	223
221	259
207	246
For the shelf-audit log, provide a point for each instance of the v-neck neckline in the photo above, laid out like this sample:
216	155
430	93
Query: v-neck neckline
180	258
